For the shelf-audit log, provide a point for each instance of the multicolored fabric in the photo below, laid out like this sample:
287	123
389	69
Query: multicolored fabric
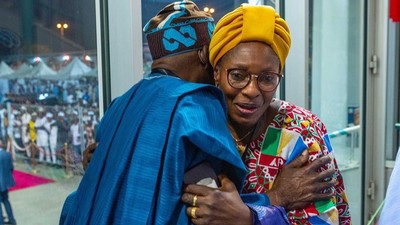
292	131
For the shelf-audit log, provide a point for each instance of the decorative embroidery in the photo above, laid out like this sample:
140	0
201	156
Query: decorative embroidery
291	132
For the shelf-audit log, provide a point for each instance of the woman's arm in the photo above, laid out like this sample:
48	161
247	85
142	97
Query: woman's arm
295	186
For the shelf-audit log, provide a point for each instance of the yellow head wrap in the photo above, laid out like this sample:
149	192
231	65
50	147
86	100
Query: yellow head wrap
250	23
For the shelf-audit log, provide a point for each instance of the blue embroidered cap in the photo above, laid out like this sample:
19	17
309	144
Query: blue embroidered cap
179	27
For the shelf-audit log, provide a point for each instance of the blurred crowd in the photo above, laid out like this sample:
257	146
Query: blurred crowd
49	129
66	92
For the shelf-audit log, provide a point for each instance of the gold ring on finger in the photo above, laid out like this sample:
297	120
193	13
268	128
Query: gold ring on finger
194	200
193	212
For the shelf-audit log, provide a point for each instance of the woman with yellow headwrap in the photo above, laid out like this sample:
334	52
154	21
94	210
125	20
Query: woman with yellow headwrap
248	52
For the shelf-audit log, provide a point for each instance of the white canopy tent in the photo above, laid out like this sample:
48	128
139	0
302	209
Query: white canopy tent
5	69
92	73
41	70
20	72
23	68
27	71
75	69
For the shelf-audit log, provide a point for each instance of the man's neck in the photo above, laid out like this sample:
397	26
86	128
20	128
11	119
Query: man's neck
164	71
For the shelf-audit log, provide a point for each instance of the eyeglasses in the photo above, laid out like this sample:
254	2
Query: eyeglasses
266	81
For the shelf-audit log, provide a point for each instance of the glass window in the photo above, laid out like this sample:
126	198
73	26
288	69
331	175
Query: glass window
393	91
49	100
336	71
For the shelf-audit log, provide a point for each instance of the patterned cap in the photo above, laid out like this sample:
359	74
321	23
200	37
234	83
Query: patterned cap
179	27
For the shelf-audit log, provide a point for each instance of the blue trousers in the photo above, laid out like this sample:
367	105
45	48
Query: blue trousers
7	206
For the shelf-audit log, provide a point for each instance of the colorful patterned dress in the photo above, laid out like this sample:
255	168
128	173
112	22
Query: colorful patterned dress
293	130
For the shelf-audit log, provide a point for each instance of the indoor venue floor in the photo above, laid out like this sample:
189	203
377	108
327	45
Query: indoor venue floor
42	204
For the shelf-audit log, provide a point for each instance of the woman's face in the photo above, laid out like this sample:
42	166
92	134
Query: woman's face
248	104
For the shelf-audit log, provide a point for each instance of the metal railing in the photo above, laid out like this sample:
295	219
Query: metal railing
352	134
345	131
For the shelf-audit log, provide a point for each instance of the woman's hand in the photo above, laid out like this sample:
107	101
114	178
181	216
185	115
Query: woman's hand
298	184
216	206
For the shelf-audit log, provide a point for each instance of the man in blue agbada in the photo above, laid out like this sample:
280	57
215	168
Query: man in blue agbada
157	130
162	127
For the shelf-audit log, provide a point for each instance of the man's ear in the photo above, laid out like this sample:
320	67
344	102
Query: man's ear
203	55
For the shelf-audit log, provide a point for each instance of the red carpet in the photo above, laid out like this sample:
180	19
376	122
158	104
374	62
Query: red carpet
27	180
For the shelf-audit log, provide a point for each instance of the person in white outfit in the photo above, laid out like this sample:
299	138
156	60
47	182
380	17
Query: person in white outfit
76	137
25	118
53	136
42	129
9	117
17	129
3	132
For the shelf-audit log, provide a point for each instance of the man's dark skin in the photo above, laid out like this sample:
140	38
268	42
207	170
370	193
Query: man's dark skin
298	184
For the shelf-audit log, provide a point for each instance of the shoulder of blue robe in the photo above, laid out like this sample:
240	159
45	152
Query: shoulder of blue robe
66	207
119	188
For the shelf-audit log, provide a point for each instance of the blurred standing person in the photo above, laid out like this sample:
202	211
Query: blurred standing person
31	150
85	117
25	119
2	130
89	133
32	135
53	133
65	93
86	97
17	129
76	137
42	140
94	120
63	129
8	124
5	125
6	181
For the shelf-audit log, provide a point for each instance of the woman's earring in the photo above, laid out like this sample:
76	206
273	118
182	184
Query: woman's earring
217	84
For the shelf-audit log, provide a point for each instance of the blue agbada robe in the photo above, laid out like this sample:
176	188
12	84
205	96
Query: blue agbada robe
148	138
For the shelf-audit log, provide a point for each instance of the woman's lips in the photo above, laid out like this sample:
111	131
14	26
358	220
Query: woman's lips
246	108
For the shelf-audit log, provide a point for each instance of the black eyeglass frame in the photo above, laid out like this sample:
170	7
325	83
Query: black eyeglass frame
250	75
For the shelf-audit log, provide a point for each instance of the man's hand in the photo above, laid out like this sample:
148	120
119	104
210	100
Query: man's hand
87	155
216	206
298	185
